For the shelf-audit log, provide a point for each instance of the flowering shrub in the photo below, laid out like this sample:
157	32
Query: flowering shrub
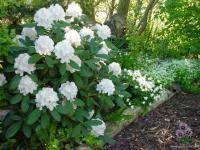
60	76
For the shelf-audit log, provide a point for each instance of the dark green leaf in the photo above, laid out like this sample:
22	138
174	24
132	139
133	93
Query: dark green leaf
65	109
34	58
79	102
78	80
34	116
55	115
25	104
76	131
74	65
15	82
50	62
13	129
62	69
45	120
27	131
16	99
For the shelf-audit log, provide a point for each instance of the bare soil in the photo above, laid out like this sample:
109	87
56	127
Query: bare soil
156	130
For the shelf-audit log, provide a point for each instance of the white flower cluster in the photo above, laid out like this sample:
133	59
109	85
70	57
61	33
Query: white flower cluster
44	45
103	31
46	97
115	68
99	129
21	64
73	37
45	17
145	85
69	90
27	85
85	31
2	79
106	86
64	51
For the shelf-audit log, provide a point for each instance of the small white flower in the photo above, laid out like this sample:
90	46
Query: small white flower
104	50
73	37
145	98
132	107
64	51
44	18
74	10
115	68
27	85
99	129
91	113
86	32
103	31
29	32
69	90
46	97
44	45
106	86
57	12
77	60
143	102
21	64
2	79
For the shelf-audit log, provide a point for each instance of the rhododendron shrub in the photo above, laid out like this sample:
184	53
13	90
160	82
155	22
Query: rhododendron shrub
60	75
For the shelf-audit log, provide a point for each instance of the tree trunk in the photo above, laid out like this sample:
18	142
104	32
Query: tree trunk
143	22
117	22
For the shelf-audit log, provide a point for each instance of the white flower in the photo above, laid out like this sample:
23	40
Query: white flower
77	60
145	98
103	31
74	10
91	113
69	90
44	45
104	50
87	32
99	129
17	40
64	51
46	97
29	32
73	37
115	68
2	79
57	12
27	85
21	64
106	86
43	17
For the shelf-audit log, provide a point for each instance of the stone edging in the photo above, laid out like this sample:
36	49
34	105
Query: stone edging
134	113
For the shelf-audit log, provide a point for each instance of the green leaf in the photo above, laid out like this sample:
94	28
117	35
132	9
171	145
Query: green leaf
34	116
62	69
34	59
79	102
13	129
76	131
74	65
29	25
25	104
78	80
65	109
45	120
107	139
50	62
16	99
55	115
85	71
27	131
15	82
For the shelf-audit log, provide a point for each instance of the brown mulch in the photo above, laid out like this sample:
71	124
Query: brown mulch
156	131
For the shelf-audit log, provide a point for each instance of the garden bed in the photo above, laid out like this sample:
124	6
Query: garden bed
157	129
